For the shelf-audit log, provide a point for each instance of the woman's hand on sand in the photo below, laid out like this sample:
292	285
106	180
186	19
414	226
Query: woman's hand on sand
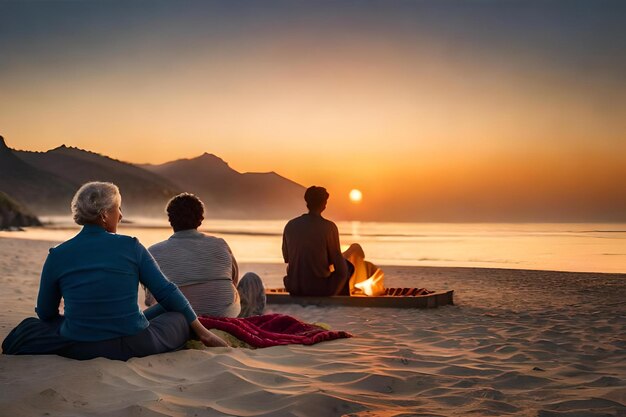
211	340
206	337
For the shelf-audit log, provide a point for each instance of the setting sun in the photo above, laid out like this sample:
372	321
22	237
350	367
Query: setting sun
356	196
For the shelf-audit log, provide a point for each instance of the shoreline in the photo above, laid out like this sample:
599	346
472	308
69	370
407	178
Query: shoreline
50	235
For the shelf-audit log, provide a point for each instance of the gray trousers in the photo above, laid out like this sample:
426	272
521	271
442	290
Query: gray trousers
167	332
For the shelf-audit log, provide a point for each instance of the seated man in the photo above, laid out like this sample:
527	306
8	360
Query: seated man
312	251
203	266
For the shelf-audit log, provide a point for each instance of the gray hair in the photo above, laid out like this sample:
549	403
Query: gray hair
93	199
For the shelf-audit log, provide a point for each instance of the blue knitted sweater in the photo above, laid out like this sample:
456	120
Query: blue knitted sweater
97	274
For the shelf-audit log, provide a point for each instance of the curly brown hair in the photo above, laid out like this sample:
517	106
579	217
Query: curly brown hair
185	211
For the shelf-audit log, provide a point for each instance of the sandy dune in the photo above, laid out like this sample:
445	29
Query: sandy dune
523	343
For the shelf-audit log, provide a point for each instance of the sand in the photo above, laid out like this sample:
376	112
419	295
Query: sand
522	343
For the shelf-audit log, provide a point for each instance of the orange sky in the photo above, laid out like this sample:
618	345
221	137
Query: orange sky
462	108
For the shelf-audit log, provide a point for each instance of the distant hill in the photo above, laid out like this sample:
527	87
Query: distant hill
13	214
46	182
143	193
231	194
42	191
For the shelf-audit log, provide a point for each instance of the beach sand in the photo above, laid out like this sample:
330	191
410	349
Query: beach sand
523	343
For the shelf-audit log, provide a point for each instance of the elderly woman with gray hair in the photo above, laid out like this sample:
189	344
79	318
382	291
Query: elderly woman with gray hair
97	274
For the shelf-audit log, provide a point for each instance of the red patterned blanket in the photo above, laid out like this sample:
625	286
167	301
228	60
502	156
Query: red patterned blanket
272	330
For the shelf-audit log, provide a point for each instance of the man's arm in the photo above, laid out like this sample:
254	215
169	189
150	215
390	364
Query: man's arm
285	253
334	252
235	267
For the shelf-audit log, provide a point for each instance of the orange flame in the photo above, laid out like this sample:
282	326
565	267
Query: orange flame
372	286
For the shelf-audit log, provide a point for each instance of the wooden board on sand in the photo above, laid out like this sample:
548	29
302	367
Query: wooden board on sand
393	298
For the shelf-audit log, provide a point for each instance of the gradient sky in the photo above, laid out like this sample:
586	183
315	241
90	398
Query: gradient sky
436	110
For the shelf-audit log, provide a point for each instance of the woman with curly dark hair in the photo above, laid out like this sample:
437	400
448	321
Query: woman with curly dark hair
203	266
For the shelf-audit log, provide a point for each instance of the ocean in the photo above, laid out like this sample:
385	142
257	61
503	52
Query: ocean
581	247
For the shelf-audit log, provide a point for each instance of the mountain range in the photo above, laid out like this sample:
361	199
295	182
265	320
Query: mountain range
46	181
229	193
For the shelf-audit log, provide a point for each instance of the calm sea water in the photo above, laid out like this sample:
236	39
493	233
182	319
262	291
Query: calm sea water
589	247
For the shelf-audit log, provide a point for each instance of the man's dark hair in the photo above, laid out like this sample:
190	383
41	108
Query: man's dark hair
316	197
185	211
